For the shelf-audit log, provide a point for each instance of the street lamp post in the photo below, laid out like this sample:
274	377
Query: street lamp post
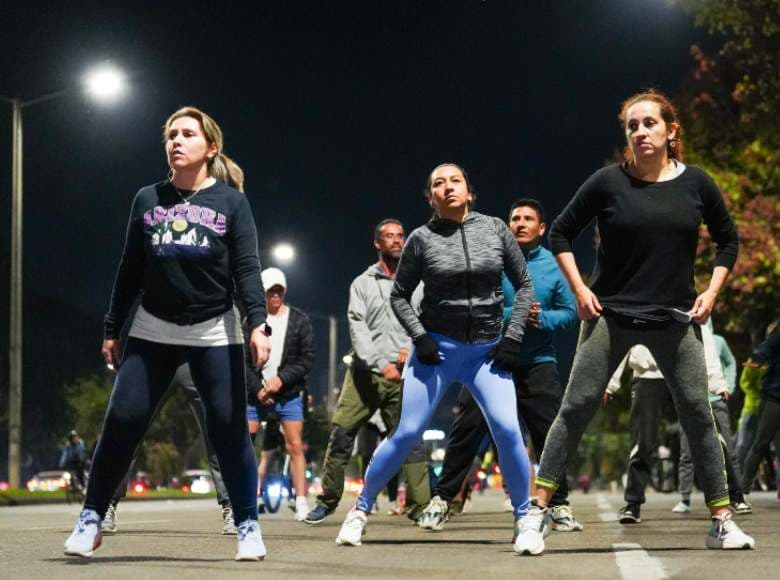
101	84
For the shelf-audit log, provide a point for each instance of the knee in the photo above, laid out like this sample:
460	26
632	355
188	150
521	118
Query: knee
294	446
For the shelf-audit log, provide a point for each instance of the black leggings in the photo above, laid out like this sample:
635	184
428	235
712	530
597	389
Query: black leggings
768	425
144	377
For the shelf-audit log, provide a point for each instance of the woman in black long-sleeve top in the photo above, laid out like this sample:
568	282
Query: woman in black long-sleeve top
191	244
649	210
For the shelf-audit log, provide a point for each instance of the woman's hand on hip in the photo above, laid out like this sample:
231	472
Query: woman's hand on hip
111	351
702	307
260	347
588	305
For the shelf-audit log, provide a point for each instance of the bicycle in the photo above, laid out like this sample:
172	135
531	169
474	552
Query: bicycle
74	490
277	483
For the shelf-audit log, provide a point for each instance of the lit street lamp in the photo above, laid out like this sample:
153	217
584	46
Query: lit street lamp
283	253
103	84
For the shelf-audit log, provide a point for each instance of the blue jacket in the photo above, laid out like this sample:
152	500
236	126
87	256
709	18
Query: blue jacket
557	305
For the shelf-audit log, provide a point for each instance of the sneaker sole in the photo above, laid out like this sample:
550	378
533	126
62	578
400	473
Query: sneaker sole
314	522
247	558
630	520
530	552
717	545
88	553
566	528
340	542
230	532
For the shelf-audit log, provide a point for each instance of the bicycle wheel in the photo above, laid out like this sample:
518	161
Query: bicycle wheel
273	485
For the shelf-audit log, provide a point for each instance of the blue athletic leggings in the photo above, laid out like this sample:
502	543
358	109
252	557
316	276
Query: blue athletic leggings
424	386
144	377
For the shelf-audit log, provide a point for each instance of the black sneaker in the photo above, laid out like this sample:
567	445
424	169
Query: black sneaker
319	513
629	514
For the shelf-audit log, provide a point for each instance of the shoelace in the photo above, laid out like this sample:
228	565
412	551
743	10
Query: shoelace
85	521
245	529
532	521
354	521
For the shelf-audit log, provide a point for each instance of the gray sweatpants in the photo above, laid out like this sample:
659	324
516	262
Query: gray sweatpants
678	351
720	411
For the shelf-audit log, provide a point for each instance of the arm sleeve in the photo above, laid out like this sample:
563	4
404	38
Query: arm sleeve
579	212
245	264
716	384
517	271
509	297
728	362
767	350
296	370
358	327
614	382
407	278
129	275
719	224
563	313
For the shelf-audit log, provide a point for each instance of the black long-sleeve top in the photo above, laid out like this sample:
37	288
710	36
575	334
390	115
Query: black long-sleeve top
188	259
461	266
649	232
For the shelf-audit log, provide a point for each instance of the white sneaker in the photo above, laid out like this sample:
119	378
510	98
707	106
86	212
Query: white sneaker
228	523
562	519
86	536
726	535
301	508
682	508
353	528
434	515
109	525
530	531
250	542
741	507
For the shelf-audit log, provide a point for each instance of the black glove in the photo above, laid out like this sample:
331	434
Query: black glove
506	355
426	350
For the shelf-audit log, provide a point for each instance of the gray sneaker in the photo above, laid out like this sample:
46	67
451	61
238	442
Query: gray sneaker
228	523
562	519
109	523
434	515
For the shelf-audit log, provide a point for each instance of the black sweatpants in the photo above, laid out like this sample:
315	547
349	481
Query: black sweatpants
142	381
539	395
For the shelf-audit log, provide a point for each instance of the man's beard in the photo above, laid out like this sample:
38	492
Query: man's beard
391	258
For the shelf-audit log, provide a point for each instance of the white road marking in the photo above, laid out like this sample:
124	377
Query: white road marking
607	513
635	563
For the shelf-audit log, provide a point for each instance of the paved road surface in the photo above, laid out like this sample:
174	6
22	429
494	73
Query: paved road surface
162	539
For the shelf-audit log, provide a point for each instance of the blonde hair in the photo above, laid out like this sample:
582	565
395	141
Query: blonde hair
220	166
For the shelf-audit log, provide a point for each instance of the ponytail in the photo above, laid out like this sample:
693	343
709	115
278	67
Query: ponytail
228	171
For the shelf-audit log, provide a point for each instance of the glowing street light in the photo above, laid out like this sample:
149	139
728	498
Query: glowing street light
283	253
104	84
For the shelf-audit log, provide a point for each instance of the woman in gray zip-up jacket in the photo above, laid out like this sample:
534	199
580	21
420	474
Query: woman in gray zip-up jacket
459	256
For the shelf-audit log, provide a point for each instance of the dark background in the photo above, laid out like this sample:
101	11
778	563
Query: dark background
337	111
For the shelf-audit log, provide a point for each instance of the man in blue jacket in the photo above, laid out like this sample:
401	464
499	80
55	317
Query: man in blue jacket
539	389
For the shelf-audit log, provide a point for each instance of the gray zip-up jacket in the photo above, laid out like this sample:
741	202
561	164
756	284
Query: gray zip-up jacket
461	266
376	334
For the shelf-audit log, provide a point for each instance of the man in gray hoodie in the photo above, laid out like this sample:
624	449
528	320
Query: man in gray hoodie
373	381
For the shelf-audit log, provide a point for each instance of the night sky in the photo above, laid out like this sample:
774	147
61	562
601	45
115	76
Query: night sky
337	111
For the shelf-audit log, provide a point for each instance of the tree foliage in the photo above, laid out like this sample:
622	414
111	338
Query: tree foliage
731	114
